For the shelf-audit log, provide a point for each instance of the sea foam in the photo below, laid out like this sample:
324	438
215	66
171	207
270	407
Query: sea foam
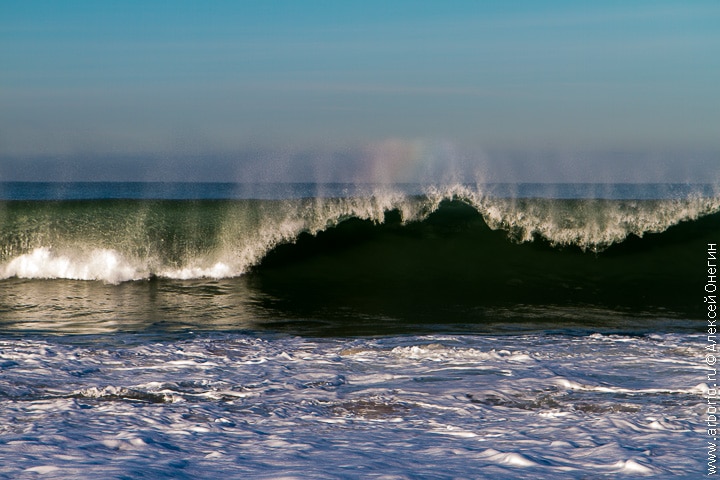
98	264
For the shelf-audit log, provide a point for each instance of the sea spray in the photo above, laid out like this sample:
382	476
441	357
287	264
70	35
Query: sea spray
119	240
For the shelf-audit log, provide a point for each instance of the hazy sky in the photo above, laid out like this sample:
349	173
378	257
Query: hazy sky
365	90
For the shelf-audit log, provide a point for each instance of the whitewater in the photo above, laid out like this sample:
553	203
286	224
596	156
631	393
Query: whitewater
433	406
354	331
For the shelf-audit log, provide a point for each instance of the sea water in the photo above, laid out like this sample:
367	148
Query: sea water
355	331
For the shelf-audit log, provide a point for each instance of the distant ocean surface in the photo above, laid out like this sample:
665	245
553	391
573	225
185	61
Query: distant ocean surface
170	330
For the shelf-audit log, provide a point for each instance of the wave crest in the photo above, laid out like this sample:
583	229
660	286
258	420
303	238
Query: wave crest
116	241
590	224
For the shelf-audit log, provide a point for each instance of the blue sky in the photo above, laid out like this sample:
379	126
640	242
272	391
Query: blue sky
279	90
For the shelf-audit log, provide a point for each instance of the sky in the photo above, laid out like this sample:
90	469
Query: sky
359	91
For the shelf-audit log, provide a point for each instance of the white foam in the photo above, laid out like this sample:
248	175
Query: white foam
272	411
572	385
112	391
218	270
440	353
589	224
633	467
98	264
436	352
510	458
43	469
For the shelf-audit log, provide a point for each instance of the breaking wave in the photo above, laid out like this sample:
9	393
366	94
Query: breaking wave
120	240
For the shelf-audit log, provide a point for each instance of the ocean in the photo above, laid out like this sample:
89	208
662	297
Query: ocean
170	330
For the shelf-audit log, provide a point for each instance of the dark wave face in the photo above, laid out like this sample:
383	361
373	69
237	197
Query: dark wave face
450	255
453	262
